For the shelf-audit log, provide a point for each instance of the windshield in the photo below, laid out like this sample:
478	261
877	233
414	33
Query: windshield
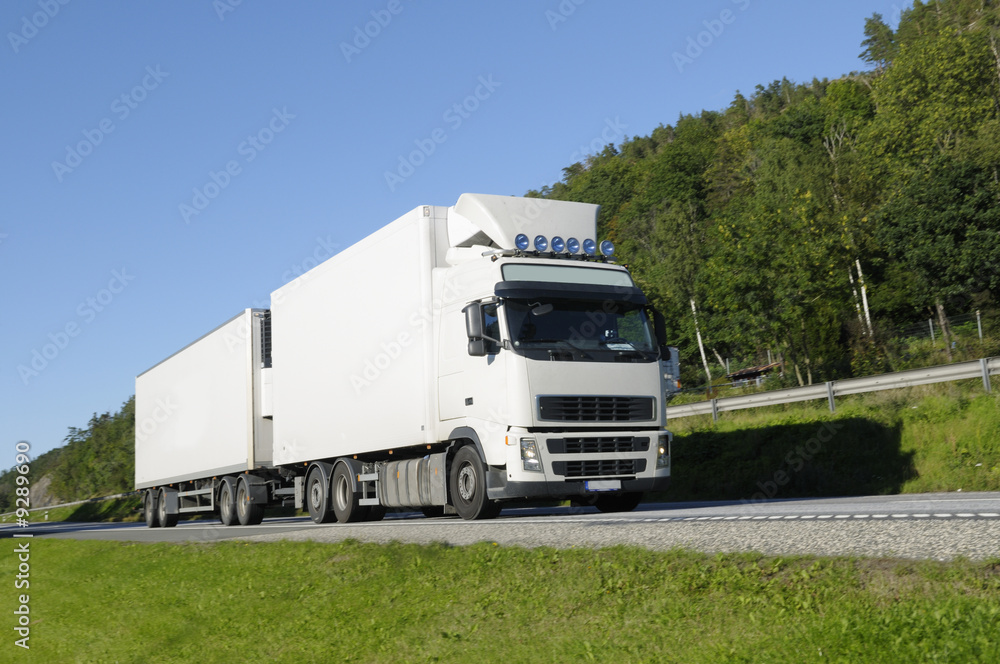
549	328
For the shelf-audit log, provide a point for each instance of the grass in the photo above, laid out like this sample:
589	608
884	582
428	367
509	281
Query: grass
302	601
943	437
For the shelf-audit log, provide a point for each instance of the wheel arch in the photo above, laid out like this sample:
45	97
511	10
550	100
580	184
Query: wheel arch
462	436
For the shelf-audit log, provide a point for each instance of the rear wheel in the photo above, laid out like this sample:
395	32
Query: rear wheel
149	510
318	497
345	501
248	512
227	502
468	486
166	520
618	502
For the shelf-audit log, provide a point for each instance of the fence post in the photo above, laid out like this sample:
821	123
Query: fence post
829	396
984	363
930	322
715	410
979	324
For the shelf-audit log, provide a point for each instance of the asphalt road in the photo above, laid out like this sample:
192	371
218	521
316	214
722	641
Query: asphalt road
934	526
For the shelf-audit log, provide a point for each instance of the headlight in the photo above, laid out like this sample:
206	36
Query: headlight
663	453
529	455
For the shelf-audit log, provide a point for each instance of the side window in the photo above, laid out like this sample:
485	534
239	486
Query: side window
491	324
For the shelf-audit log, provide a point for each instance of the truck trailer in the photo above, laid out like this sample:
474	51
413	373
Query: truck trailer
458	359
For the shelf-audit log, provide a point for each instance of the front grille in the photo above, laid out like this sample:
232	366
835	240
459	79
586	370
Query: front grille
598	468
595	409
605	445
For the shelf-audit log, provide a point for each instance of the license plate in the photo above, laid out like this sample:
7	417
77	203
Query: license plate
603	485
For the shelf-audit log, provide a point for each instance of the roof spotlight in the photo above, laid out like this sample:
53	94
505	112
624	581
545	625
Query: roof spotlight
589	247
521	241
541	243
572	245
608	248
558	245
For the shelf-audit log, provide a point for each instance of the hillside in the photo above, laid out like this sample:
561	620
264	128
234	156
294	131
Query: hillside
98	460
777	217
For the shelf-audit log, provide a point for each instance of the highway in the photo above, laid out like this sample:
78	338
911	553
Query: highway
918	526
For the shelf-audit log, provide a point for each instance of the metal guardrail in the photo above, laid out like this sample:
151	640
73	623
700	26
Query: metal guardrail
983	368
75	502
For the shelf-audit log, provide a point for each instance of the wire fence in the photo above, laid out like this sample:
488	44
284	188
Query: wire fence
966	329
931	328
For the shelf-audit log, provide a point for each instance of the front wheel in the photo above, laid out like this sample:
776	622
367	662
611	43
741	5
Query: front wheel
468	486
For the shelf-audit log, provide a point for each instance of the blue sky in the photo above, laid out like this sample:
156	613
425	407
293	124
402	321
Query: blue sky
166	165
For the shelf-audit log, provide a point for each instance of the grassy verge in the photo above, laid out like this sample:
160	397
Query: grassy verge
293	602
943	437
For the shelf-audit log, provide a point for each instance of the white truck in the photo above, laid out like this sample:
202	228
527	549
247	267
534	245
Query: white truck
457	359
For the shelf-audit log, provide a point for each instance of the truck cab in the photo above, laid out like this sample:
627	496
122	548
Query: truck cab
550	362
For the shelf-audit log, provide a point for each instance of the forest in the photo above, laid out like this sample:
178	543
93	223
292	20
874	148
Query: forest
769	225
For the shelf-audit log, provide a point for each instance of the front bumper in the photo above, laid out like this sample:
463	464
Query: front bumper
571	459
499	488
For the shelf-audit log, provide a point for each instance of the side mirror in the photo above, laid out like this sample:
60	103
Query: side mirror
473	322
659	328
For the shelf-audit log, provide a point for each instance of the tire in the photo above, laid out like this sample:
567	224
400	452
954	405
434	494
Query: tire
345	501
248	512
618	502
227	502
149	511
318	497
468	486
166	520
432	511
